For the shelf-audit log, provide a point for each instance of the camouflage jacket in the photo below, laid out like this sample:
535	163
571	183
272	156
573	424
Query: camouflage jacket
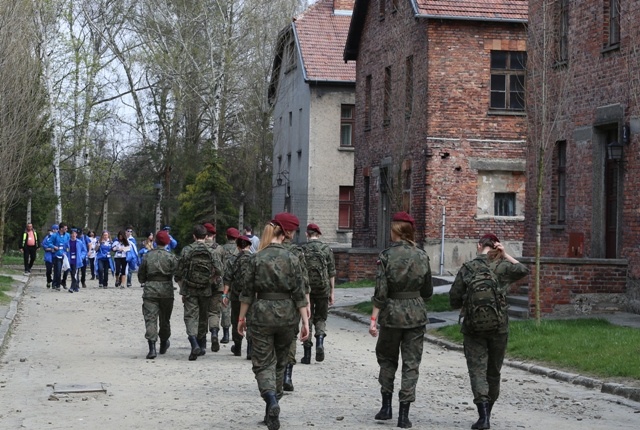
299	252
324	249
156	273
273	270
505	271
183	264
402	268
233	271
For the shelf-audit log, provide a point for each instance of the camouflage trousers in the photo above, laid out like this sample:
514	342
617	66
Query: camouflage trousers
225	316
269	355
291	355
485	354
195	315
318	319
391	343
214	310
234	309
153	310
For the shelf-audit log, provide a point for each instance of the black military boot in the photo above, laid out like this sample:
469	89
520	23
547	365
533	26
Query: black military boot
403	416
236	348
386	412
202	343
483	420
249	349
152	351
307	355
195	348
215	345
164	345
225	335
272	412
320	348
287	384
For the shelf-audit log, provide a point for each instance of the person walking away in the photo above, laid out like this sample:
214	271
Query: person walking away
172	242
59	243
76	253
480	290
216	310
120	248
29	246
255	240
273	295
403	283
156	274
49	251
321	269
198	268
227	252
91	252
147	245
103	258
233	277
133	260
82	271
290	224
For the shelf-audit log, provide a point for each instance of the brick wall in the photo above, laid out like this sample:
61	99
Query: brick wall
355	264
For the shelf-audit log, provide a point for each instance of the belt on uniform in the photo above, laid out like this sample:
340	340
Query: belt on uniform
159	279
274	296
405	295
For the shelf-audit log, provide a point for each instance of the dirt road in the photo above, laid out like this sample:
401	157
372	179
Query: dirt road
95	339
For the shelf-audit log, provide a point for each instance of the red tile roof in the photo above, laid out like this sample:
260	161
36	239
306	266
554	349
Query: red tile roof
321	37
511	10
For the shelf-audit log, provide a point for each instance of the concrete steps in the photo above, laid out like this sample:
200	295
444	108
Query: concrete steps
519	304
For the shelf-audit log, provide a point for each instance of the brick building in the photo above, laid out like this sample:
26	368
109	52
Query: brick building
590	218
312	93
440	121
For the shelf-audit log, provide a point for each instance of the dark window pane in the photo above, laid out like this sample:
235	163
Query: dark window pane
497	100
504	204
499	59
345	135
518	60
347	112
498	82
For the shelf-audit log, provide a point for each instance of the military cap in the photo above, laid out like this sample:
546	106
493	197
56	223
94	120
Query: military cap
404	217
233	233
492	237
314	227
286	220
162	238
211	229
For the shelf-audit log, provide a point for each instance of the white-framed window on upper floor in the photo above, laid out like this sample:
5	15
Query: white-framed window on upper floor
347	120
508	69
346	204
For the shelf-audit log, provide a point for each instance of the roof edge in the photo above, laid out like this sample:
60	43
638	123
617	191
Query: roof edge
472	18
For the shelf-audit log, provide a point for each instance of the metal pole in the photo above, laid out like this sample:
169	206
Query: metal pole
29	194
444	217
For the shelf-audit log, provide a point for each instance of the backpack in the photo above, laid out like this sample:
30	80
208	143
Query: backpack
317	269
199	270
485	307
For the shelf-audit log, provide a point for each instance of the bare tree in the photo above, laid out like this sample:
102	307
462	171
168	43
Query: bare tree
22	113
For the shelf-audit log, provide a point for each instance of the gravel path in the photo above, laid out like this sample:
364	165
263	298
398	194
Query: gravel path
95	339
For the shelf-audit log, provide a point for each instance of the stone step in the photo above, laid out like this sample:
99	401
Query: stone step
522	301
518	312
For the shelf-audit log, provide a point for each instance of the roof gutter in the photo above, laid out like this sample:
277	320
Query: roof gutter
328	81
472	18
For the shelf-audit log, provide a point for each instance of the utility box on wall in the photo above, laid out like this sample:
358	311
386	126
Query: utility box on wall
576	245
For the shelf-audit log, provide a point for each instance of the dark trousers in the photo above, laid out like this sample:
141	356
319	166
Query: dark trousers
156	310
92	261
74	277
103	272
235	313
83	273
57	271
29	255
49	266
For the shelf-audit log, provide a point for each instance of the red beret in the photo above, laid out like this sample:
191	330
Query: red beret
162	237
314	227
233	233
491	237
245	238
288	222
404	217
211	229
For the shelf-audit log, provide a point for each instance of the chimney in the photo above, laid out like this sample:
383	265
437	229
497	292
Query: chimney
343	7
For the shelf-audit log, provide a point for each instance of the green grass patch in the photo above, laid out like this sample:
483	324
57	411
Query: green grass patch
15	258
5	285
357	284
438	303
592	346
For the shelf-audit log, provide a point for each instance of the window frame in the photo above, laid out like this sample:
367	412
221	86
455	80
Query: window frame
500	200
346	204
613	23
408	96
367	103
347	121
386	102
509	73
561	182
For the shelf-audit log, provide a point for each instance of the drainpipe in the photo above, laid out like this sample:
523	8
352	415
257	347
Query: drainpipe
444	217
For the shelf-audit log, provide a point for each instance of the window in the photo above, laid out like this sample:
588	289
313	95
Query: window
394	6
563	31
367	184
346	125
504	204
345	211
367	103
507	80
381	5
387	96
406	186
559	186
408	91
290	119
612	19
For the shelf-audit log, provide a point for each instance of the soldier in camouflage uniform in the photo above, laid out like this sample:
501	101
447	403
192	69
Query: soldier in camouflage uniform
233	286
274	295
156	276
321	283
485	351
403	283
216	311
197	300
228	251
292	223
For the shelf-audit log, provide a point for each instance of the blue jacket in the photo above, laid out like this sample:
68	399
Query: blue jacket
59	242
104	250
81	253
47	245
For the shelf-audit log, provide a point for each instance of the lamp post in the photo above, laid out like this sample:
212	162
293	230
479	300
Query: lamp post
614	151
105	210
158	187
241	211
29	194
283	178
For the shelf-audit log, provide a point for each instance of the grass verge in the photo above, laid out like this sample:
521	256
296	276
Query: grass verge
438	303
357	284
5	285
593	346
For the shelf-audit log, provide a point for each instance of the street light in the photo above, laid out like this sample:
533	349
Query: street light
614	151
282	177
158	187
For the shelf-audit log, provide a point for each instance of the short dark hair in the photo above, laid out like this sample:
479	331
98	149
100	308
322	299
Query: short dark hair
199	231
248	227
62	224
